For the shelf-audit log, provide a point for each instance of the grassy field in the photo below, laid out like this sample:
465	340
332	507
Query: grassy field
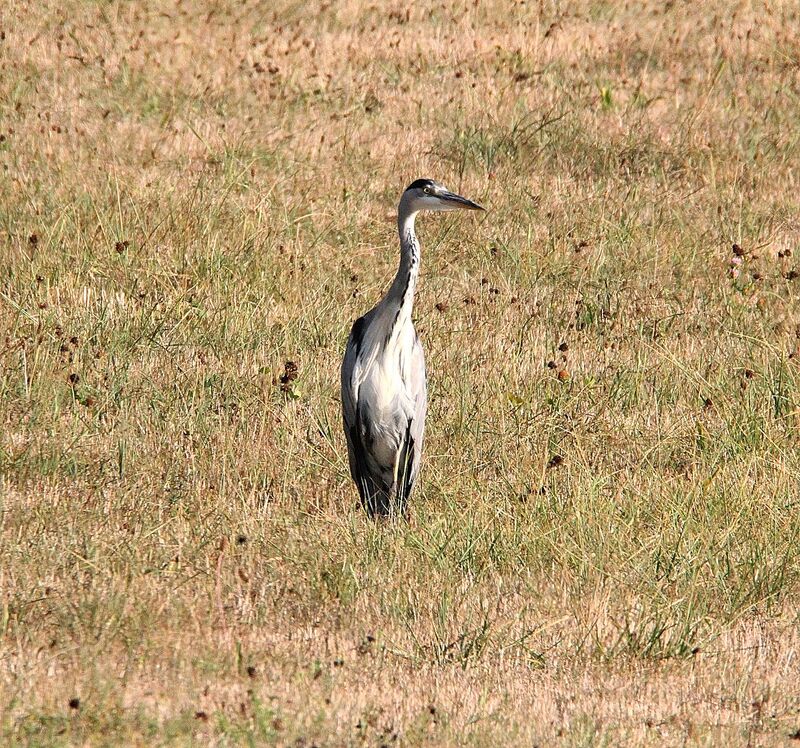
197	200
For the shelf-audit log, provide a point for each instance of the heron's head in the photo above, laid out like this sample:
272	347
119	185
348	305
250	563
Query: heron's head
426	194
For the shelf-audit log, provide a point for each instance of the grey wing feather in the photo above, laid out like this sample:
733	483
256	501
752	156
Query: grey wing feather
355	449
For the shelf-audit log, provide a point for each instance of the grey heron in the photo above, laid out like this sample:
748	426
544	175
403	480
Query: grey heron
384	389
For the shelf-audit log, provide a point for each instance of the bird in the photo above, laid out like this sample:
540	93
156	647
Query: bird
383	380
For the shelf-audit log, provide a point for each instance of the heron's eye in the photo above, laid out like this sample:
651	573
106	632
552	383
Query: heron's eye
426	190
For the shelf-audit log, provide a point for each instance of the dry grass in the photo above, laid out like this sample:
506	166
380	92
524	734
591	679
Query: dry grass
603	547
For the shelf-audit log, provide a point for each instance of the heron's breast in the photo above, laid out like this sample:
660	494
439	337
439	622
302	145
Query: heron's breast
384	390
386	403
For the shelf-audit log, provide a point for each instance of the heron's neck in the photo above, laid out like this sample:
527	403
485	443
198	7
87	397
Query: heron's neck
400	298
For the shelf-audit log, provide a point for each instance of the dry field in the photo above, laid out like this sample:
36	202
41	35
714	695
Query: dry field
196	198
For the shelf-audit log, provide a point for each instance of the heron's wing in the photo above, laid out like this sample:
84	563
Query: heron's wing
372	476
355	448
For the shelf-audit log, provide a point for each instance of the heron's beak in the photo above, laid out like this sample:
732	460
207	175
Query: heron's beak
459	202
